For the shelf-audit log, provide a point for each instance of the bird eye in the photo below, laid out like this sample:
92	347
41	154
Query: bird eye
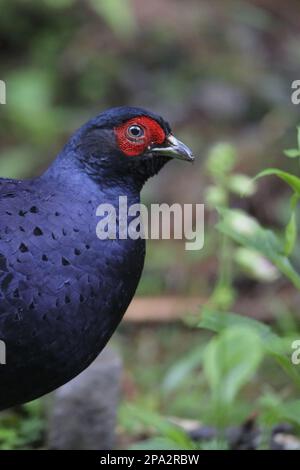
135	132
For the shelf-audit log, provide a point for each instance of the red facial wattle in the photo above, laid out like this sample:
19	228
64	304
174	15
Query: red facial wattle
132	147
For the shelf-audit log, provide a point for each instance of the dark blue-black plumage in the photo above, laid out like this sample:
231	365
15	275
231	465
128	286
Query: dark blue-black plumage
62	290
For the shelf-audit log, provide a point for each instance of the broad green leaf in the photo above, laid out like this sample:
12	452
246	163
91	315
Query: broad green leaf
292	180
230	360
273	344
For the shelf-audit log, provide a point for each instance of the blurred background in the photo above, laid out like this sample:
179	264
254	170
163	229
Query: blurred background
219	72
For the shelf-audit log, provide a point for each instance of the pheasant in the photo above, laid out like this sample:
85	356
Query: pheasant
63	291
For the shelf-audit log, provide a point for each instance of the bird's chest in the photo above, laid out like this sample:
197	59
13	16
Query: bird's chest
58	269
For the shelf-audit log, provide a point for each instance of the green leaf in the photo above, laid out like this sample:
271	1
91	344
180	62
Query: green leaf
292	153
230	360
272	343
292	180
246	231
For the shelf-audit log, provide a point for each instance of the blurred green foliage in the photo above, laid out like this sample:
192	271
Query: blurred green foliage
220	72
66	60
23	430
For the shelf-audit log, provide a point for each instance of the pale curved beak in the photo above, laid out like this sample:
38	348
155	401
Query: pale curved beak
174	148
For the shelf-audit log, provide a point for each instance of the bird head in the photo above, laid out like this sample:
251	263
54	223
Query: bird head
127	143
